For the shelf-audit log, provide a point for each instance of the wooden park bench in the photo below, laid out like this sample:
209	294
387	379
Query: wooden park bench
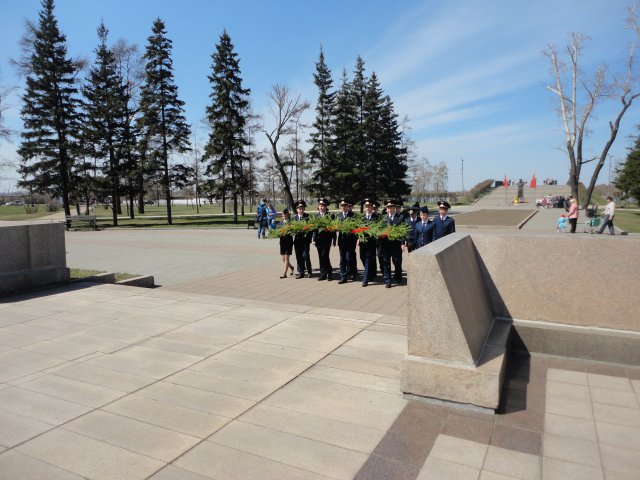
89	220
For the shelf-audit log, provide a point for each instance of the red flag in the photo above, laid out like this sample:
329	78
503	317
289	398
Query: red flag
533	182
506	181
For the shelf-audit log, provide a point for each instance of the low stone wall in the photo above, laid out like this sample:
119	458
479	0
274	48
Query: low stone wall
571	295
33	255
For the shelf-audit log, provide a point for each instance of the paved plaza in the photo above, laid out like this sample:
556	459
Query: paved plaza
227	371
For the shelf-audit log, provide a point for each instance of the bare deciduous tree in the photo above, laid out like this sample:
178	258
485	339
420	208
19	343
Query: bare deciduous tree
579	96
286	110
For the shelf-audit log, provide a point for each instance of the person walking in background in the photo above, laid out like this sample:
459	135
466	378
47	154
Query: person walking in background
261	217
442	223
271	216
302	242
573	215
286	245
609	212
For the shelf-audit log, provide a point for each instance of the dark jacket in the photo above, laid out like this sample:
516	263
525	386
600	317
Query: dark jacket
422	234
443	227
301	238
346	240
324	237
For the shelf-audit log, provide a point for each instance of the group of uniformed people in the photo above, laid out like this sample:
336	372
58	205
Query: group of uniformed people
387	252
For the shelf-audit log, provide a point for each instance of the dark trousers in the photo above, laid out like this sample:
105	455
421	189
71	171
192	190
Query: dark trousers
392	253
303	257
348	262
323	257
573	222
368	259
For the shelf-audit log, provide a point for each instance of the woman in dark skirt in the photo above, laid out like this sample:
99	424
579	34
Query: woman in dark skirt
286	245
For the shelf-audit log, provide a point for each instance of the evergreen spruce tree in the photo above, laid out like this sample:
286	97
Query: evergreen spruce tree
227	116
48	146
106	118
628	180
320	136
358	89
163	120
393	153
341	170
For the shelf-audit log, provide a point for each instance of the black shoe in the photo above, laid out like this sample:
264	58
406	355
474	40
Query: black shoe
364	284
329	277
354	277
342	280
387	285
322	277
300	275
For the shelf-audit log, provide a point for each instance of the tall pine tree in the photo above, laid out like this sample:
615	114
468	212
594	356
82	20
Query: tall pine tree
320	136
50	102
165	127
226	150
106	118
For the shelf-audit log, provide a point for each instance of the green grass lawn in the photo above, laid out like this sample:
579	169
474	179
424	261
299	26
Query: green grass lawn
627	220
78	273
17	213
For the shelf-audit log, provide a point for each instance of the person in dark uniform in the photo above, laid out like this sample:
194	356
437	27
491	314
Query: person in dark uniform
323	241
368	247
391	249
302	242
411	218
442	223
347	245
423	230
286	244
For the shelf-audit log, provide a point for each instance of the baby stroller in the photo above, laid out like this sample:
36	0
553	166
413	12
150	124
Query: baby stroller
592	222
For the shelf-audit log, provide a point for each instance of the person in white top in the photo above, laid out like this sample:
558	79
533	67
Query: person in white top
609	212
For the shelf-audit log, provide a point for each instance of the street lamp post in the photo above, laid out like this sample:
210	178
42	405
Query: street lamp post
462	174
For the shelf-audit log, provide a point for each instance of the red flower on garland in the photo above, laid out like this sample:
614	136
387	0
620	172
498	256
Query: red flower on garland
306	227
361	229
385	234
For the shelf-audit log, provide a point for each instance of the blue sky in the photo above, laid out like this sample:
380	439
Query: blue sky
470	75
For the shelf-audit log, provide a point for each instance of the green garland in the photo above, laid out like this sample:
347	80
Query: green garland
351	226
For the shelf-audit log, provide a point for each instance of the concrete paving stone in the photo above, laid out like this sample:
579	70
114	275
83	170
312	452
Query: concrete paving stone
72	390
167	345
161	320
516	464
123	382
10	372
225	326
487	475
57	325
171	472
335	408
293	353
140	437
393	329
198	338
286	366
16	382
11	316
618	459
318	321
240	372
518	439
54	349
368	355
379	466
322	429
15	465
636	387
379	341
254	391
118	333
571	450
32	309
618	435
257	314
16	341
220	462
570	427
139	353
568	391
567	376
144	301
465	427
460	451
196	398
31	360
88	457
569	408
620	475
87	316
345	314
614	397
92	342
612	383
31	331
139	368
173	417
629	417
15	429
380	369
362	380
40	407
438	469
554	469
290	449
